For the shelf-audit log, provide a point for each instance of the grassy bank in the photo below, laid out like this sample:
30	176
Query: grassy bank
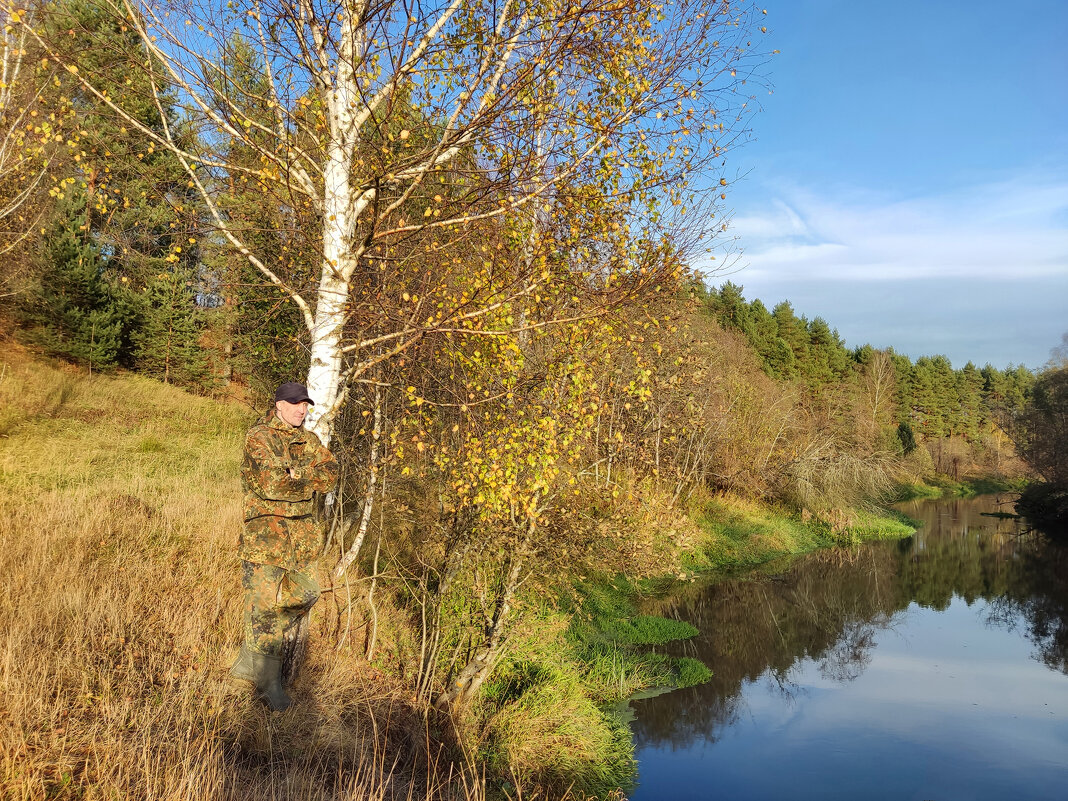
939	486
610	650
739	534
119	512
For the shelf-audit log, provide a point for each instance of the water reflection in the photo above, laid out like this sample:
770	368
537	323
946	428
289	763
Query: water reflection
803	628
1040	604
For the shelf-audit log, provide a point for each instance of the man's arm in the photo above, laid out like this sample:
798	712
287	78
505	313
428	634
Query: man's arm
270	475
321	470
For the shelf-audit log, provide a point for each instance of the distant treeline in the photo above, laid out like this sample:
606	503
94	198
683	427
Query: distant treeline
933	399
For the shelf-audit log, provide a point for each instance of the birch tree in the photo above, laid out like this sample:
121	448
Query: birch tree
373	105
34	136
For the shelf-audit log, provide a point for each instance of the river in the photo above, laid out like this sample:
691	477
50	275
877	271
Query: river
934	667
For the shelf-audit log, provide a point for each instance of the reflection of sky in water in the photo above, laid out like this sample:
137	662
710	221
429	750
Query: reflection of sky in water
948	708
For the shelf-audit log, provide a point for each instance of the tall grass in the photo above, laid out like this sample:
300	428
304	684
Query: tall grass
540	724
120	608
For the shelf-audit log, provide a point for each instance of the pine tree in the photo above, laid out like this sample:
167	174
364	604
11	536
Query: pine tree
75	313
904	387
793	331
763	333
970	401
827	358
138	212
141	208
265	336
730	307
906	437
168	339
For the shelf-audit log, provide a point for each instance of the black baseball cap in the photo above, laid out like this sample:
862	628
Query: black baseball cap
292	392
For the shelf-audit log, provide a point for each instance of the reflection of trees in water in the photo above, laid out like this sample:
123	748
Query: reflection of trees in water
849	657
1022	577
763	627
828	607
1040	604
959	552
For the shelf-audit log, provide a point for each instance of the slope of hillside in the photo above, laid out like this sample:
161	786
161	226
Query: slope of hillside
120	605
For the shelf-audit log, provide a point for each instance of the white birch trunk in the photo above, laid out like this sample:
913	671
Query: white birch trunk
324	371
340	214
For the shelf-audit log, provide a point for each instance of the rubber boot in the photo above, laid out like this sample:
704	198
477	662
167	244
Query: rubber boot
244	666
268	681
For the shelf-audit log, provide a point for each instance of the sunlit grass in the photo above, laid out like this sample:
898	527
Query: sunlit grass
915	491
119	599
542	724
738	533
119	603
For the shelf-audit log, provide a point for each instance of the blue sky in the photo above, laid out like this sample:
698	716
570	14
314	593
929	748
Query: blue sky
908	177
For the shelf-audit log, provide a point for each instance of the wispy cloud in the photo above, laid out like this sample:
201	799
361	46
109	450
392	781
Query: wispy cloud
1016	228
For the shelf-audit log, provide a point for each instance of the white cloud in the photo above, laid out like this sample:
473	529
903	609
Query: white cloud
780	221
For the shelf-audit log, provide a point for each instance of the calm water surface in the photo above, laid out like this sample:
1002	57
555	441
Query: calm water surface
929	668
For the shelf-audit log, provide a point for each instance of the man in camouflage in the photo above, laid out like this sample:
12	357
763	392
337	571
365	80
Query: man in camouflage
285	471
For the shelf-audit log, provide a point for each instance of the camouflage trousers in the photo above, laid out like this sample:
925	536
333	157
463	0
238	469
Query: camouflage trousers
275	600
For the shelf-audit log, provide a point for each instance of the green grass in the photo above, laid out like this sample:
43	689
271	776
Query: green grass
543	721
989	485
739	535
939	485
648	630
692	672
914	491
888	524
612	641
150	445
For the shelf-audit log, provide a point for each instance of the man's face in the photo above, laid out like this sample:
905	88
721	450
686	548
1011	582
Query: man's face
292	413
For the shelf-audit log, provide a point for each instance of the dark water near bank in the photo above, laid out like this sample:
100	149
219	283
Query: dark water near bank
930	668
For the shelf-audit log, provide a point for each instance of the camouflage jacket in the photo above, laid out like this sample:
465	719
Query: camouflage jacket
283	470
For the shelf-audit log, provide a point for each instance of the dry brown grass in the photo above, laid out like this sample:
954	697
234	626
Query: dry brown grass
119	607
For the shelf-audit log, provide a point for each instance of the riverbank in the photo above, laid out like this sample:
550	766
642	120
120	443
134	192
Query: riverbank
119	511
1046	506
603	650
939	486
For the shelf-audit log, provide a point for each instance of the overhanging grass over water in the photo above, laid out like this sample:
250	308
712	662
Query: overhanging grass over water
563	678
939	486
739	534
